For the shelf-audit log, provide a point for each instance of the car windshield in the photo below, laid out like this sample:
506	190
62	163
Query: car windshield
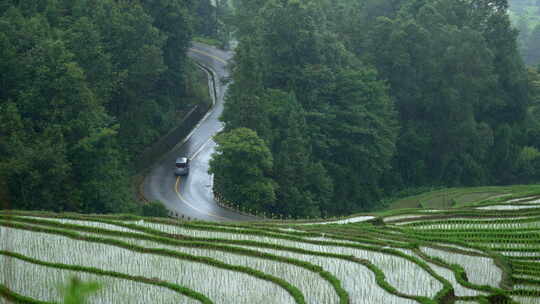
180	165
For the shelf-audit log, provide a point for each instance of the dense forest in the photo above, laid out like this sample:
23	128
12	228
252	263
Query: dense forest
85	86
336	105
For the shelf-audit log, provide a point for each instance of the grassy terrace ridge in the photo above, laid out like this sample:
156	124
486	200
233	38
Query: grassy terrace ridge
455	197
174	287
415	255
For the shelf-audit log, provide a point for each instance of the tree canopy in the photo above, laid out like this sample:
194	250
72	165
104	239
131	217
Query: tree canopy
241	164
85	86
360	99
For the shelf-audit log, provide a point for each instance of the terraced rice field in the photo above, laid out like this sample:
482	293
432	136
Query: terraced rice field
487	253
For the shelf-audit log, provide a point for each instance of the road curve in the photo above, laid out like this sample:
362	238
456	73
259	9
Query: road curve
192	195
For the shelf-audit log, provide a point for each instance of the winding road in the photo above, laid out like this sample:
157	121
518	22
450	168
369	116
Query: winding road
191	195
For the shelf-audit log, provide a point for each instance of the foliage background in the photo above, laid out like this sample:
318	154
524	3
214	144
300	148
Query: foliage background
87	85
362	100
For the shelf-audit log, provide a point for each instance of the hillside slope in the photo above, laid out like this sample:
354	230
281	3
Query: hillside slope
486	253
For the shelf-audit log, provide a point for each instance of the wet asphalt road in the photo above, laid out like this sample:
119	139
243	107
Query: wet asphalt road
191	195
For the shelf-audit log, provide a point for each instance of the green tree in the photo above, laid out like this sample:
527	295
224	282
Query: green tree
136	49
57	110
245	12
172	19
528	164
154	209
290	48
86	85
295	40
362	131
207	22
463	81
532	122
305	189
84	40
451	68
244	107
241	166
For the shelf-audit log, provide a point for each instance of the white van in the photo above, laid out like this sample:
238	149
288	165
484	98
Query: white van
182	166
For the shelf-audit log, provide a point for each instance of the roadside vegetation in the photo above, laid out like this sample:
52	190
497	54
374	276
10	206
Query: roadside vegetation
483	252
212	24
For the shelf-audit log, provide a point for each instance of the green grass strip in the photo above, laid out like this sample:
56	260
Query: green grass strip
14	297
460	274
476	233
204	226
420	263
381	282
528	272
502	232
486	238
427	218
525	292
448	240
174	287
501	247
380	279
526	280
237	227
418	238
526	265
493	221
292	290
499	260
524	258
360	235
475	239
165	238
173	239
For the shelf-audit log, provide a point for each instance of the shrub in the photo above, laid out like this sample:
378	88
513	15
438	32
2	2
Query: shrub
154	209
